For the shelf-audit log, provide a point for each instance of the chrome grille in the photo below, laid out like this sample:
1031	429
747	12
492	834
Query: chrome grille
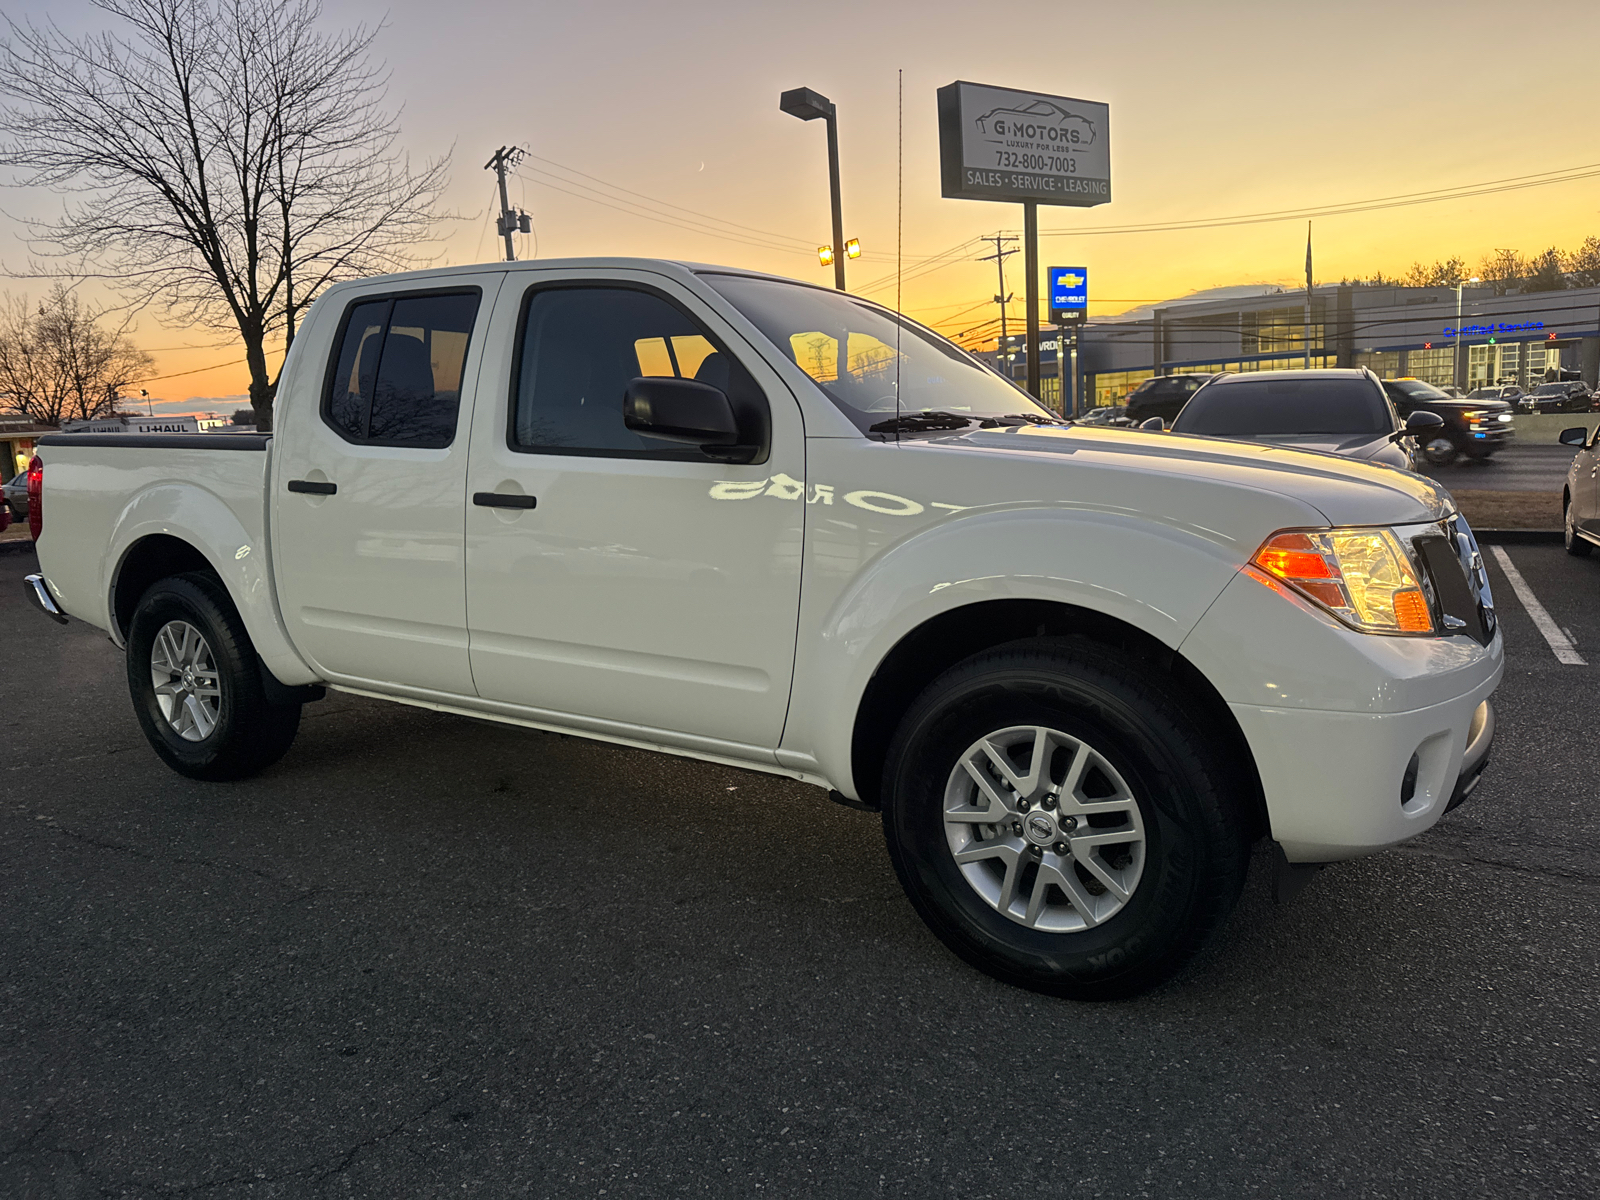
1472	564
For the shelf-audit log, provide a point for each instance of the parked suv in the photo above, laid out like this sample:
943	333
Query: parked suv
1163	396
1510	393
1475	428
1332	411
1569	396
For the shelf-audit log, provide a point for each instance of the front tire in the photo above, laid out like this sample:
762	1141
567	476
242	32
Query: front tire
196	683
1061	822
1440	451
1576	546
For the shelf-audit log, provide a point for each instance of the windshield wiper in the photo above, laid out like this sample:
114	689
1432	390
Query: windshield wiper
1033	419
921	422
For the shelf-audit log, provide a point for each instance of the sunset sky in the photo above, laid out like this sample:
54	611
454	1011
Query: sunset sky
1217	110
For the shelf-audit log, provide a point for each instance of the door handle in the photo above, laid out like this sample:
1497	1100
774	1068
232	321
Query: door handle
312	487
503	500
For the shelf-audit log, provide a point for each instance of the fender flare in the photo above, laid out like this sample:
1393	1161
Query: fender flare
240	559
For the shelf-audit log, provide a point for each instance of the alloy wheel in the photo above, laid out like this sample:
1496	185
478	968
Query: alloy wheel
1044	829
187	687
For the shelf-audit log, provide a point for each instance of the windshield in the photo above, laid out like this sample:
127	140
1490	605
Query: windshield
1550	389
1416	389
848	347
1277	407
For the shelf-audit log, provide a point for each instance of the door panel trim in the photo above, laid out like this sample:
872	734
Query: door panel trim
627	662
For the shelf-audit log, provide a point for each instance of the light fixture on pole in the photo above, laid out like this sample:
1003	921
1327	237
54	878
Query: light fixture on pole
1455	354
809	106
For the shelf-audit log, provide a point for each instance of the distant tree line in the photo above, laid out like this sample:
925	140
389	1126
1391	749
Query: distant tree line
1551	270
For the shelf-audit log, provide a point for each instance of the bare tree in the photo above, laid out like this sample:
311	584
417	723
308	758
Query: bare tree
231	161
57	363
1546	272
1583	264
1503	270
1441	274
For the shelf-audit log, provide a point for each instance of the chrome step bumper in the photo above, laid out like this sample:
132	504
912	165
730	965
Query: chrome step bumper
39	592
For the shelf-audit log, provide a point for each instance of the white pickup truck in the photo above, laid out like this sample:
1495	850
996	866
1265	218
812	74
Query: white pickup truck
1080	670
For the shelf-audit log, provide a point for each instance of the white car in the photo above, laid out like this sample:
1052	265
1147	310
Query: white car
732	517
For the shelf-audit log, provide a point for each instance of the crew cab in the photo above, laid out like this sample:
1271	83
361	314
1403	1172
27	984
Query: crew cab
1079	670
1471	428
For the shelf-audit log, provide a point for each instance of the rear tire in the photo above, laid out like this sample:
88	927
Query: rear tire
1146	846
209	717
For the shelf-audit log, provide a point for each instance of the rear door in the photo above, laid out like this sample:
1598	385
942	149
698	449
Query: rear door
370	481
641	588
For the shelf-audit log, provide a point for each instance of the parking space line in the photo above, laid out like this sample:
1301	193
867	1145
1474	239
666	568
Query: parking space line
1559	642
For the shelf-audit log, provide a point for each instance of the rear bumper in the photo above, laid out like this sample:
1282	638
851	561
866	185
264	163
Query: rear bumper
39	593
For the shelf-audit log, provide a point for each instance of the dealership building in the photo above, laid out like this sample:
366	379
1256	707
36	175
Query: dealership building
1395	331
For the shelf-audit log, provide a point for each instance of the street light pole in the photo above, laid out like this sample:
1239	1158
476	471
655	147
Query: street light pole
1455	357
808	106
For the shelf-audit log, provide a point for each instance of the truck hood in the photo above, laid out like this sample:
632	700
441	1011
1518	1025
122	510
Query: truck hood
1345	490
1359	445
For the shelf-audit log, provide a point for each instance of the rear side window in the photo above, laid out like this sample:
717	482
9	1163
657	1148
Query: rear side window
396	374
1256	407
581	347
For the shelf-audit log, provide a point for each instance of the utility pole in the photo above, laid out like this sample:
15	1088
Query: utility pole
999	259
506	158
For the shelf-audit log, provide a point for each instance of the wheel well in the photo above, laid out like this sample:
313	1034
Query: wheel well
146	561
940	643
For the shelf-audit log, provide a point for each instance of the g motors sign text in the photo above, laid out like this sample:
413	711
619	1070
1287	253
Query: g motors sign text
1001	144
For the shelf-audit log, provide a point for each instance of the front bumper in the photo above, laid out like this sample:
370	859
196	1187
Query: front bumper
1340	785
1335	718
1480	738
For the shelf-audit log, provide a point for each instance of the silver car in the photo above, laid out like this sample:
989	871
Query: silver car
1344	412
1580	500
15	493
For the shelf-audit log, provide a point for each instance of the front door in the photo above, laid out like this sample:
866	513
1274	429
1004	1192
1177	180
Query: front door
1586	482
370	485
642	589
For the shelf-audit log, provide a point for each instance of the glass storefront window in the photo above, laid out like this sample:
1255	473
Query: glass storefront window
1432	366
1385	364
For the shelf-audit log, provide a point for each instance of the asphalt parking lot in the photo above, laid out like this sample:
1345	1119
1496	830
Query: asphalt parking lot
428	956
1520	467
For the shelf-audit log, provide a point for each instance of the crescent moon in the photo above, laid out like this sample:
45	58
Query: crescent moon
702	166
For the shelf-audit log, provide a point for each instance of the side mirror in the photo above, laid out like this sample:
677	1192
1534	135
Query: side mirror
1154	424
1419	424
1578	436
681	410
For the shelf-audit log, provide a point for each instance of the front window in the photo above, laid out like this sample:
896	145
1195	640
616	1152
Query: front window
1415	389
1282	407
887	374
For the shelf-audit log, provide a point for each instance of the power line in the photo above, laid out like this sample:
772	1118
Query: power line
1404	200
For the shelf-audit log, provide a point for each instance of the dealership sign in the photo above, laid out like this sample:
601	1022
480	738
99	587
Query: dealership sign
1002	144
1069	294
1488	330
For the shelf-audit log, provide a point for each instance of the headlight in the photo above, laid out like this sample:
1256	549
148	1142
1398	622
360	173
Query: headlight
1364	577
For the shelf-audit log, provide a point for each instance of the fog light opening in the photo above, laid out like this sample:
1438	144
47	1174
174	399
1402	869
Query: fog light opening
1408	781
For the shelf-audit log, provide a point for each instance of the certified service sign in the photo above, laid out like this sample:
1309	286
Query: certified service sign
1000	144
